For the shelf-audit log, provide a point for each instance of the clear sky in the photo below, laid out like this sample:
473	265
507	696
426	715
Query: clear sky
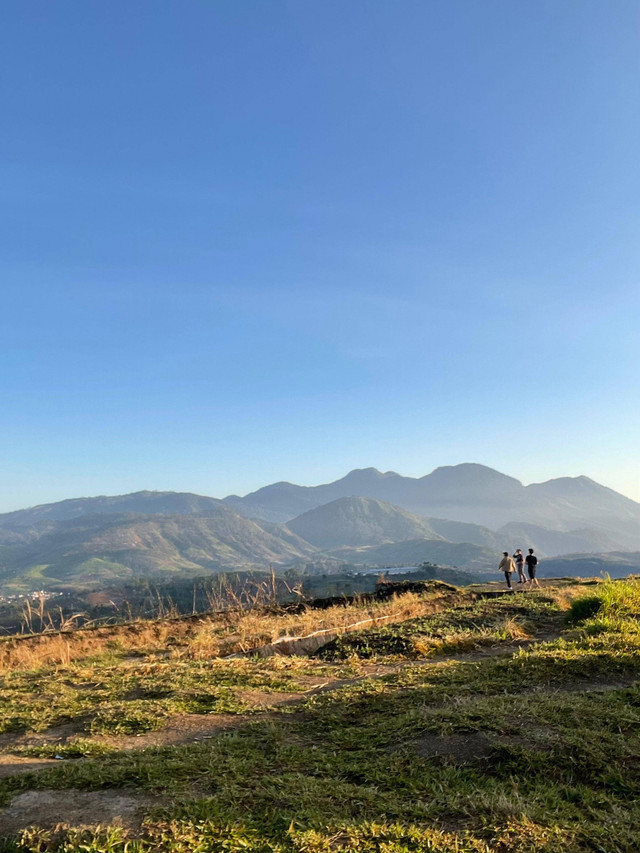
261	240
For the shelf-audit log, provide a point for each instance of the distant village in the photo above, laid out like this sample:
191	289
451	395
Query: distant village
37	595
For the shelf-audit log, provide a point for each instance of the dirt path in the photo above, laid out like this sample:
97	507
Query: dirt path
191	728
13	765
57	808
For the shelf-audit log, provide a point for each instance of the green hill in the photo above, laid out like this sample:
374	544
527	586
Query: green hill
54	548
98	550
353	522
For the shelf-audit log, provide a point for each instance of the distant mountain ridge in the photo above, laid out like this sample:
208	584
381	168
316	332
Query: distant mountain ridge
85	541
357	529
145	502
468	493
106	548
113	547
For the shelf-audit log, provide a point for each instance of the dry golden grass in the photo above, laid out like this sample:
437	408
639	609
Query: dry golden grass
208	636
233	631
254	629
33	651
506	630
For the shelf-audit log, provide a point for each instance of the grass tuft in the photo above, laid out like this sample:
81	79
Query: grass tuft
617	599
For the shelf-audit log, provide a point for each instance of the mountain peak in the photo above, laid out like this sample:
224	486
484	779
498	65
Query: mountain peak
365	474
469	470
456	479
359	521
559	483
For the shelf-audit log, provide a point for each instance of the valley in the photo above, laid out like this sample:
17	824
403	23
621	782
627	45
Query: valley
460	517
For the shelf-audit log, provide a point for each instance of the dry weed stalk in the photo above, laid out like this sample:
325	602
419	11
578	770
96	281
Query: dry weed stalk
249	622
39	620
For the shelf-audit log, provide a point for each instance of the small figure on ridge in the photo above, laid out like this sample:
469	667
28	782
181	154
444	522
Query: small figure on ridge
532	561
508	567
519	560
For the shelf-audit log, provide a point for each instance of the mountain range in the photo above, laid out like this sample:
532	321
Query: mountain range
460	516
467	493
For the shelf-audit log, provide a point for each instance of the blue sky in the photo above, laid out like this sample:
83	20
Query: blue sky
262	240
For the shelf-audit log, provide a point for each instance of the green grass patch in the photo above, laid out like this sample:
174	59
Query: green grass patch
109	697
75	748
536	751
486	622
615	599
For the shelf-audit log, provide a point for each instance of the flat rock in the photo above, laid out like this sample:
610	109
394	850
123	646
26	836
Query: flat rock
73	809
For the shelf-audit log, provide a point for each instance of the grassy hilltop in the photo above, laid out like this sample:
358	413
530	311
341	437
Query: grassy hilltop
468	722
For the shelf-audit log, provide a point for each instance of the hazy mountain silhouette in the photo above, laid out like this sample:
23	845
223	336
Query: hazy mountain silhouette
616	564
467	493
283	501
146	503
463	531
89	540
449	486
355	522
349	523
552	542
412	552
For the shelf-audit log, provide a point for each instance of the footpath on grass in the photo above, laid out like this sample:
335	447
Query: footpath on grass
185	728
490	721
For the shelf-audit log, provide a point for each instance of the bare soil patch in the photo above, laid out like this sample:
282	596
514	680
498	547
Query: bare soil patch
259	700
455	749
13	765
56	734
58	810
183	728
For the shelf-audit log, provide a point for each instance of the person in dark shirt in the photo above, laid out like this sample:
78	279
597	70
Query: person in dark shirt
519	560
532	561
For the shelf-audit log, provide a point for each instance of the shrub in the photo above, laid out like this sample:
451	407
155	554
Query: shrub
584	608
612	598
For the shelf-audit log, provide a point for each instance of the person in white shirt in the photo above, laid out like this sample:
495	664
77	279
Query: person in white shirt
508	567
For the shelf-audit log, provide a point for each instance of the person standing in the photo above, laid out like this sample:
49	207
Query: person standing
508	567
532	561
519	560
